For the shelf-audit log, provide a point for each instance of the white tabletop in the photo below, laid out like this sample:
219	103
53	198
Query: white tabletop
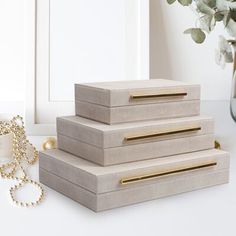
207	212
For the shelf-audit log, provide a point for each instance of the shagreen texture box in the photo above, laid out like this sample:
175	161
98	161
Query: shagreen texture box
128	101
115	144
101	188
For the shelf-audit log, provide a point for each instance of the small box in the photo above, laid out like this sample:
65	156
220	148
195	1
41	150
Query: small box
128	101
115	144
102	188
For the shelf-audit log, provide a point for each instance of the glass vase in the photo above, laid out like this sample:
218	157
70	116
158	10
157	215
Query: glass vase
233	86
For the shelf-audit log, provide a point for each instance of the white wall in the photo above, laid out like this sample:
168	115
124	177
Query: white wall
175	56
86	47
12	50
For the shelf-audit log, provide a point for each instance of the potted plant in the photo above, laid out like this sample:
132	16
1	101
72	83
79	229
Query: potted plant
209	13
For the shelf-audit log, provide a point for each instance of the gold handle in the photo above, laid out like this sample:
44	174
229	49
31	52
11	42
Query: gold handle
162	133
130	180
157	95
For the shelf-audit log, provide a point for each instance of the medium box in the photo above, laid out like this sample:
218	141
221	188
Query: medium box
115	144
128	101
102	188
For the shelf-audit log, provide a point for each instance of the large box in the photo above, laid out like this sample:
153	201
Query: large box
115	144
128	101
101	188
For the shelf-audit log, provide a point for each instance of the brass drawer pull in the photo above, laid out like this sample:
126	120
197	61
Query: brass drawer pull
159	134
140	178
157	95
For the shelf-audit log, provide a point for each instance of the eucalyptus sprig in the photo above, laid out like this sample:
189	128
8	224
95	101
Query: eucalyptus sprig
209	13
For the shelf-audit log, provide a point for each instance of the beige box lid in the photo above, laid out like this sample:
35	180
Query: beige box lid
100	179
133	92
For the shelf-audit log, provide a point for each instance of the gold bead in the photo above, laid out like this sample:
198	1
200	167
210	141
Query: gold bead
20	142
217	145
49	143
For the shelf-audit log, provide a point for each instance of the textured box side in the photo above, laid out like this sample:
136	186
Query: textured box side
80	149
136	152
92	95
75	192
80	132
117	138
117	93
68	171
93	112
154	111
137	112
101	202
111	181
122	97
99	179
153	191
106	136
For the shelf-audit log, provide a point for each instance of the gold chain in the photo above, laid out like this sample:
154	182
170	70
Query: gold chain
21	147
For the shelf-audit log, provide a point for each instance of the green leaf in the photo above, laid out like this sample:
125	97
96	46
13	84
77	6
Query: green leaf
171	1
197	34
185	2
188	31
207	23
204	8
218	16
233	14
226	18
210	3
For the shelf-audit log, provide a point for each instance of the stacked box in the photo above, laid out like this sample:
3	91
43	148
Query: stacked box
133	141
116	144
130	101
